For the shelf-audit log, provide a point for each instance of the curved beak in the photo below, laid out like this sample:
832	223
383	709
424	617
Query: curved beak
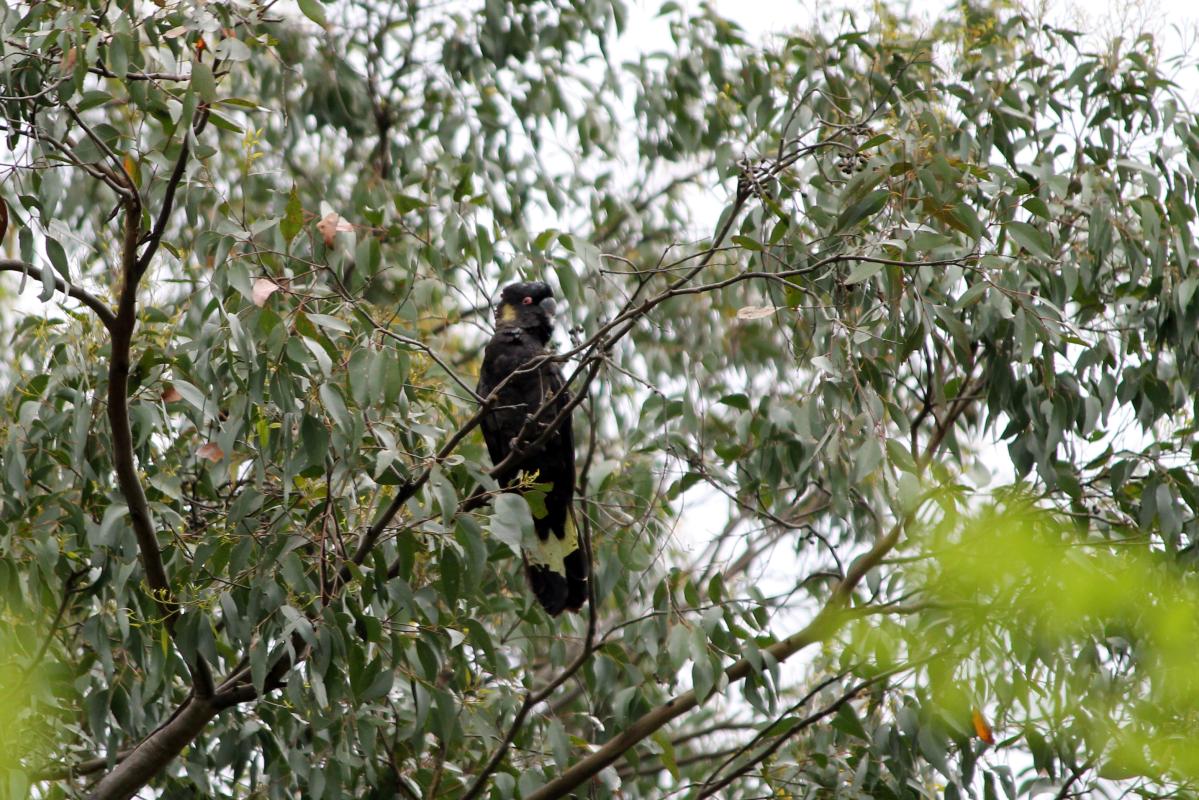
549	305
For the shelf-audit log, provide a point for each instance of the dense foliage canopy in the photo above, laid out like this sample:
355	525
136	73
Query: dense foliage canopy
885	339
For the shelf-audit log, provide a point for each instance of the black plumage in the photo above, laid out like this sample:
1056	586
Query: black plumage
527	404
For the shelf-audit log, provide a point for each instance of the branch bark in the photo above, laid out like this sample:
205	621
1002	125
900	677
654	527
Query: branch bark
712	785
825	624
533	698
62	287
158	749
155	751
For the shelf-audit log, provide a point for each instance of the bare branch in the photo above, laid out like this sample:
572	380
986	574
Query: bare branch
177	77
709	788
97	171
825	624
118	167
154	238
69	289
533	698
154	752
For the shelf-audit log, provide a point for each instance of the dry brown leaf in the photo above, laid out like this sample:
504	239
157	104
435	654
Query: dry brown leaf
330	225
756	312
210	451
263	289
171	395
68	60
982	728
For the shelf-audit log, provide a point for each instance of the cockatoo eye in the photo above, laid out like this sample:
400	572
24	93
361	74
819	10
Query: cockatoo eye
528	301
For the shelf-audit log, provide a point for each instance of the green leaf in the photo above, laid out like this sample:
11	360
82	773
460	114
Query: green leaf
1032	239
971	295
315	439
900	456
405	203
379	686
868	206
666	747
863	270
703	679
322	358
846	720
328	323
293	216
512	522
964	219
335	407
193	396
314	11
58	257
224	124
48	282
203	81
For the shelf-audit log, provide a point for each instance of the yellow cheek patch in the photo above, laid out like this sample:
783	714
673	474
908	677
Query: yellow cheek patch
508	312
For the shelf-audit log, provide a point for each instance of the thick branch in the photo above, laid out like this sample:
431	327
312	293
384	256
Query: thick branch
155	752
162	746
118	419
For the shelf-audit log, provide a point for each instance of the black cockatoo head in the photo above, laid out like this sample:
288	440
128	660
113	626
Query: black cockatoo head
529	306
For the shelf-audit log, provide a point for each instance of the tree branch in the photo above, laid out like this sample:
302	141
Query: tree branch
761	734
533	698
154	238
709	788
155	751
117	169
69	289
118	419
825	624
163	745
68	589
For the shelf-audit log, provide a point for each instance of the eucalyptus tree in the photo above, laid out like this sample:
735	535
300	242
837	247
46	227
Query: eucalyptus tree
930	369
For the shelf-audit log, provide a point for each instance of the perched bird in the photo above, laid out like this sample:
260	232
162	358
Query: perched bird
527	404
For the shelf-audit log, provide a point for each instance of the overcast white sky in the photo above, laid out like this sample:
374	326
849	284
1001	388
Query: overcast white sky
760	17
